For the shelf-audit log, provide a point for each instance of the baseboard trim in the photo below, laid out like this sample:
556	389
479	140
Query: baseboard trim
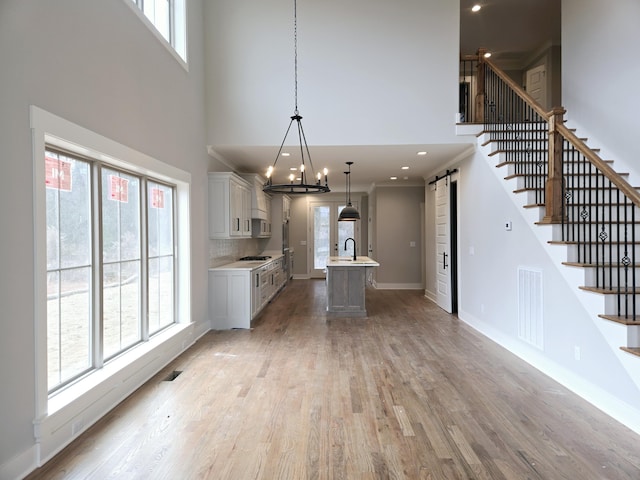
399	286
596	396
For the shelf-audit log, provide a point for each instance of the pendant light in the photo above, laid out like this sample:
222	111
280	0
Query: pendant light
297	185
348	213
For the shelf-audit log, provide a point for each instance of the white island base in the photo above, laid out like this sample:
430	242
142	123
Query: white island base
346	281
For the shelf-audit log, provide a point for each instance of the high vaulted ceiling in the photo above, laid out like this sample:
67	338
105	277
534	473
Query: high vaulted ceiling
513	30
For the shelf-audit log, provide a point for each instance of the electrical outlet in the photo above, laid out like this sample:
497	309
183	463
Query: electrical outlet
507	225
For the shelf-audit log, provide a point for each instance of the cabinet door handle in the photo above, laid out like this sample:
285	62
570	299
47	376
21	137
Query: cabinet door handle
444	260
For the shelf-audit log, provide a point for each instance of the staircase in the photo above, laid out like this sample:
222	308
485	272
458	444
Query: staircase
592	210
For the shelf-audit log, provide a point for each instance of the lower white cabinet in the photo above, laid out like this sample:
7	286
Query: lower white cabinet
230	299
237	295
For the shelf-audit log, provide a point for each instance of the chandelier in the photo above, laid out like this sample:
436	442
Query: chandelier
348	213
301	184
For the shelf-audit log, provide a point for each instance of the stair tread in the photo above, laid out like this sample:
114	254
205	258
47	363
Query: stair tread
532	189
574	242
531	150
572	175
581	222
620	319
631	350
611	291
531	162
596	265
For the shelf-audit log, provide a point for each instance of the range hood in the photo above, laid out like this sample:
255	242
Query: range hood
258	197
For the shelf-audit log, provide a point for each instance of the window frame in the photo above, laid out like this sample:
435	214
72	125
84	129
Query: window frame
177	43
51	130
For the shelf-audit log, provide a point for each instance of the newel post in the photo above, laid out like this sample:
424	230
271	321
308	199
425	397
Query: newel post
480	93
554	187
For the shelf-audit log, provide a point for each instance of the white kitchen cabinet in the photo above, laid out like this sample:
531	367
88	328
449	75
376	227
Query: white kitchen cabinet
230	299
229	206
238	293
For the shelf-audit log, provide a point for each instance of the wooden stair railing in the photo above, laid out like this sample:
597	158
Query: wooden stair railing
597	210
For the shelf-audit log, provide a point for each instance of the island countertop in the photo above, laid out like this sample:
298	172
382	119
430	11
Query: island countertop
345	261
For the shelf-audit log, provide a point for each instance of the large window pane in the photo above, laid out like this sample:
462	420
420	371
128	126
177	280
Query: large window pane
161	256
121	306
121	261
161	293
69	307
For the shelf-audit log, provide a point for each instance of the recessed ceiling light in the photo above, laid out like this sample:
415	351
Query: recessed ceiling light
405	168
487	54
293	169
285	154
393	178
422	153
476	8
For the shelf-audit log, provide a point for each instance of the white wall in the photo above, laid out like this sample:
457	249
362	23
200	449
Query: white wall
398	224
600	76
488	298
94	64
371	66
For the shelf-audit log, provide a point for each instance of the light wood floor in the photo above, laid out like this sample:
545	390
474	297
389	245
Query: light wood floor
409	392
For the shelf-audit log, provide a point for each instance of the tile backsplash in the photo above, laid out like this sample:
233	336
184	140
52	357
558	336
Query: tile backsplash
229	250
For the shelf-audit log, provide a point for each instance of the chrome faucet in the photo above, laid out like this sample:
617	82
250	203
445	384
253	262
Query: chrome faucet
354	247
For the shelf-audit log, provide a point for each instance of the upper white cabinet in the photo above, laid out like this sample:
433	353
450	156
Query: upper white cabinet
229	206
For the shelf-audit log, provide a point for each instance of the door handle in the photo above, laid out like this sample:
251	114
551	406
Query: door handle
444	260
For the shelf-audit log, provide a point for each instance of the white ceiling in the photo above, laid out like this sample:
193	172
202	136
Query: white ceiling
513	30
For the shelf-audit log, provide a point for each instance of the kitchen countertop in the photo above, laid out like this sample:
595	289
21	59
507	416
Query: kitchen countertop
247	264
345	261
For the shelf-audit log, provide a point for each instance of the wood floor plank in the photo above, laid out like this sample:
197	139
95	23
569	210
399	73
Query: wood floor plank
409	392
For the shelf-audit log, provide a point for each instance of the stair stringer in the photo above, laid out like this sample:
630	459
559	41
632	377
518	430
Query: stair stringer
615	334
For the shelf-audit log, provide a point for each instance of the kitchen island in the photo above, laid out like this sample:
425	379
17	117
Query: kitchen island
346	281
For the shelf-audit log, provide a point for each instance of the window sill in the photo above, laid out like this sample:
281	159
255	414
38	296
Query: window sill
110	370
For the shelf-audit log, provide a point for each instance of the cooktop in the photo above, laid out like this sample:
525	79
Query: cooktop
255	257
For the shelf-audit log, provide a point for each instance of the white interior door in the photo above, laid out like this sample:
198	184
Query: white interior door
327	236
537	84
443	245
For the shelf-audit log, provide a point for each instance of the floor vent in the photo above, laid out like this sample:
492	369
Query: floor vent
530	306
172	376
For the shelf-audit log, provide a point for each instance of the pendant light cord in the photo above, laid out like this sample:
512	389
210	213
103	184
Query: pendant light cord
295	53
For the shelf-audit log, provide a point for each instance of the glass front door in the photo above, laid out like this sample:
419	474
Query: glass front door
329	235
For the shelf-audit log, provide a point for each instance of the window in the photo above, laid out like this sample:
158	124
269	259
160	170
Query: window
87	327
69	268
168	18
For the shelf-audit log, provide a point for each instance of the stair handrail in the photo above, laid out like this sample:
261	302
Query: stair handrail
518	90
556	127
624	186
